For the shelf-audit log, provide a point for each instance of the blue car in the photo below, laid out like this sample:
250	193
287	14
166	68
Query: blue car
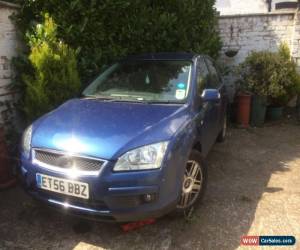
133	145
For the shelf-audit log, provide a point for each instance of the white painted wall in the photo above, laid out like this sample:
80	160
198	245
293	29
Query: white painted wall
257	32
9	47
232	7
237	7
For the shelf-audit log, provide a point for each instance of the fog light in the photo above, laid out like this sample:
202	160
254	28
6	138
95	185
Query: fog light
149	197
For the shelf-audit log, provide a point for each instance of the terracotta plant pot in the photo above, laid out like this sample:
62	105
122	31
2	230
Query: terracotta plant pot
6	177
243	109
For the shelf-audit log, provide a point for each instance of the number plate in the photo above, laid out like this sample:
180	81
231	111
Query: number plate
63	186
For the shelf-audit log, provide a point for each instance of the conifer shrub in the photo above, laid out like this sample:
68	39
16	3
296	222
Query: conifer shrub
55	77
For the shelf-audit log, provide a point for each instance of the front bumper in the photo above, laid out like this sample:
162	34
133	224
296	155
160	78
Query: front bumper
113	196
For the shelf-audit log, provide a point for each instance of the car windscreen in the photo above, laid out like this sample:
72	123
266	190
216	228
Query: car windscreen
153	80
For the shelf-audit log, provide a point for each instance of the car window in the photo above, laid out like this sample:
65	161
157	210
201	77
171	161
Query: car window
213	79
155	80
202	76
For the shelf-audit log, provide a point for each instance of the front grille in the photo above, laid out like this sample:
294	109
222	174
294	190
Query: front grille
64	161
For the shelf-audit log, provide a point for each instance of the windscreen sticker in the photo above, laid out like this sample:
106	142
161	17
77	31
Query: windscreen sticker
180	94
147	80
181	85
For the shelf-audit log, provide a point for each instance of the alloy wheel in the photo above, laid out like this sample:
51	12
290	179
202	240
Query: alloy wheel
192	184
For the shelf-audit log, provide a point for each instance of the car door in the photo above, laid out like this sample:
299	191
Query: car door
219	108
206	116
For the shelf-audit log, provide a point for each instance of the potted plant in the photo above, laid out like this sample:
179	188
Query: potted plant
285	86
242	104
273	80
254	75
275	109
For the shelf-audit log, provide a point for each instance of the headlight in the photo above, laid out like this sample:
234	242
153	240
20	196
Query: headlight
143	158
26	141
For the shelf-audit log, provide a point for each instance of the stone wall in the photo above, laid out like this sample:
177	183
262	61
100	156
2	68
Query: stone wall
8	48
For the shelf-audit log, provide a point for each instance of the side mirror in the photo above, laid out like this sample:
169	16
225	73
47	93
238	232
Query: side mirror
211	95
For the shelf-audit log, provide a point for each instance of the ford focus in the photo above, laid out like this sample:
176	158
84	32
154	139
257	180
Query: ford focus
133	145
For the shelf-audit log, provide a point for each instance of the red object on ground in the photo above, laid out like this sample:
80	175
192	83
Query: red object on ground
138	224
6	178
244	108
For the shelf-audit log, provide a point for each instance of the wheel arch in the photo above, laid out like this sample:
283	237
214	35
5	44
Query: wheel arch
197	146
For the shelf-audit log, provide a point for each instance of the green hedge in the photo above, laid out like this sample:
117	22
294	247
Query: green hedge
104	30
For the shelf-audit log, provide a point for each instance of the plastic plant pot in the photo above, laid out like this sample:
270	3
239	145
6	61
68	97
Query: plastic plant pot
258	111
274	113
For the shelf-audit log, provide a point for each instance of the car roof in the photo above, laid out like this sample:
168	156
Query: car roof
163	56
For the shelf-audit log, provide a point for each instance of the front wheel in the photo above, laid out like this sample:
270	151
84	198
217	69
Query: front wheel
194	183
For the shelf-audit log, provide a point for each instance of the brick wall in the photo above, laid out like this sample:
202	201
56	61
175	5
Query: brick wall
8	48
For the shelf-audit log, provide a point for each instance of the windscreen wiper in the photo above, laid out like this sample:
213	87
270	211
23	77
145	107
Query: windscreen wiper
102	98
135	100
163	102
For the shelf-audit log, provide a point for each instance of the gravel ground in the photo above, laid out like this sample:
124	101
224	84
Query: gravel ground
254	189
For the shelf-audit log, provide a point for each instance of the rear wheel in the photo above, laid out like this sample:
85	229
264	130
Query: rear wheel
194	183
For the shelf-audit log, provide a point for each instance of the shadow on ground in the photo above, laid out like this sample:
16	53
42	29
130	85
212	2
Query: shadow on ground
254	188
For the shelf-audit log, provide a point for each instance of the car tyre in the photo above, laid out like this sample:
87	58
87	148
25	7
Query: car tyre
193	185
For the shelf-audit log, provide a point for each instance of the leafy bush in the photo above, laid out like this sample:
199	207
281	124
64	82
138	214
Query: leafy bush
272	75
104	30
55	77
